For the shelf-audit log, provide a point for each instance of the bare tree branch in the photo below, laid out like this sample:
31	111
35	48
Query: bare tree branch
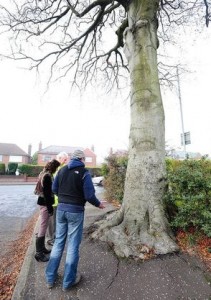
207	15
76	30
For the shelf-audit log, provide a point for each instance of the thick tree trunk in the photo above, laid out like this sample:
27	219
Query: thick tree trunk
141	223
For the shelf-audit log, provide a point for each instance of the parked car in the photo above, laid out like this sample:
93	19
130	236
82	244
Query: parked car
98	180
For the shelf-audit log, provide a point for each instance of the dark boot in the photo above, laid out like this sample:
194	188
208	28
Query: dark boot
40	256
44	250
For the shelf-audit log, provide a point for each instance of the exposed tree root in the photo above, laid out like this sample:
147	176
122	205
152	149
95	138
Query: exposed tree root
132	244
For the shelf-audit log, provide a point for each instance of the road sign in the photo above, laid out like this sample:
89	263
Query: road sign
186	138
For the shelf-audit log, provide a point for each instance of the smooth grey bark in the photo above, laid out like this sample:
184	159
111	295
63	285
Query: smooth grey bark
140	224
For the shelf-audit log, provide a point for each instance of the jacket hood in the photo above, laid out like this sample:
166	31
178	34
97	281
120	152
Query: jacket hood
73	163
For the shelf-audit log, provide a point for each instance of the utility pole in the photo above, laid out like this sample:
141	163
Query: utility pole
181	112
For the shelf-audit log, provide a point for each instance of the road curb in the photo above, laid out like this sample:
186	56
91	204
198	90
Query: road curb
20	287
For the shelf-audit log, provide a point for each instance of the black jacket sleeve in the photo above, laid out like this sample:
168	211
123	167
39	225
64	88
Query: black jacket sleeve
47	191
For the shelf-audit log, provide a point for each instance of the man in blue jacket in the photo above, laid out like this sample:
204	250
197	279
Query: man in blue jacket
73	185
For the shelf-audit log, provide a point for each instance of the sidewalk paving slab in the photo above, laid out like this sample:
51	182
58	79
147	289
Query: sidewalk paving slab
105	277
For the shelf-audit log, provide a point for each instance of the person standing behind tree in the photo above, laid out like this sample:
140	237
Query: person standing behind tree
45	201
73	185
62	158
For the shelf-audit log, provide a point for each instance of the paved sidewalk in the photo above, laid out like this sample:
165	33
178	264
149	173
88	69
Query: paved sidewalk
105	277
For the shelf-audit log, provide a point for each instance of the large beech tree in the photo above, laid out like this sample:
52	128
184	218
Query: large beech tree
68	36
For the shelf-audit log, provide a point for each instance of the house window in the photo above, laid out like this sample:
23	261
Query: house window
1	157
88	159
46	158
15	158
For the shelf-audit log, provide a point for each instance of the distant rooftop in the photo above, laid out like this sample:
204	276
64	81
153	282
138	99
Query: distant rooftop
56	149
11	149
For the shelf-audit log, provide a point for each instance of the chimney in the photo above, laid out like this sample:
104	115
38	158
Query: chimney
30	150
40	146
93	148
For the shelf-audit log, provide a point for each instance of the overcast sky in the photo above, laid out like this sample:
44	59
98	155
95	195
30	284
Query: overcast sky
65	119
195	95
59	117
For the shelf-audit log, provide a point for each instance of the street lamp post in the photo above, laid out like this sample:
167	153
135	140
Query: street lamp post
181	112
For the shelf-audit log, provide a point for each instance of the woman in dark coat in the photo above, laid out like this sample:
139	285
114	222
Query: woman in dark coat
45	201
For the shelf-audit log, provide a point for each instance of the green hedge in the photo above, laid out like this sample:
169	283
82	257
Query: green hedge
11	168
2	168
34	170
188	197
114	172
30	170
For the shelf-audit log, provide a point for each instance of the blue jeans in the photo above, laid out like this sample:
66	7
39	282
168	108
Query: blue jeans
68	226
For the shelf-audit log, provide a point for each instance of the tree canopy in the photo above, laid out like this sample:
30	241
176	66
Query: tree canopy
86	37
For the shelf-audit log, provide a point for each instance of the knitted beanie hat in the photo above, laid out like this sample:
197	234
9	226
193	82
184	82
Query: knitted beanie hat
78	154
